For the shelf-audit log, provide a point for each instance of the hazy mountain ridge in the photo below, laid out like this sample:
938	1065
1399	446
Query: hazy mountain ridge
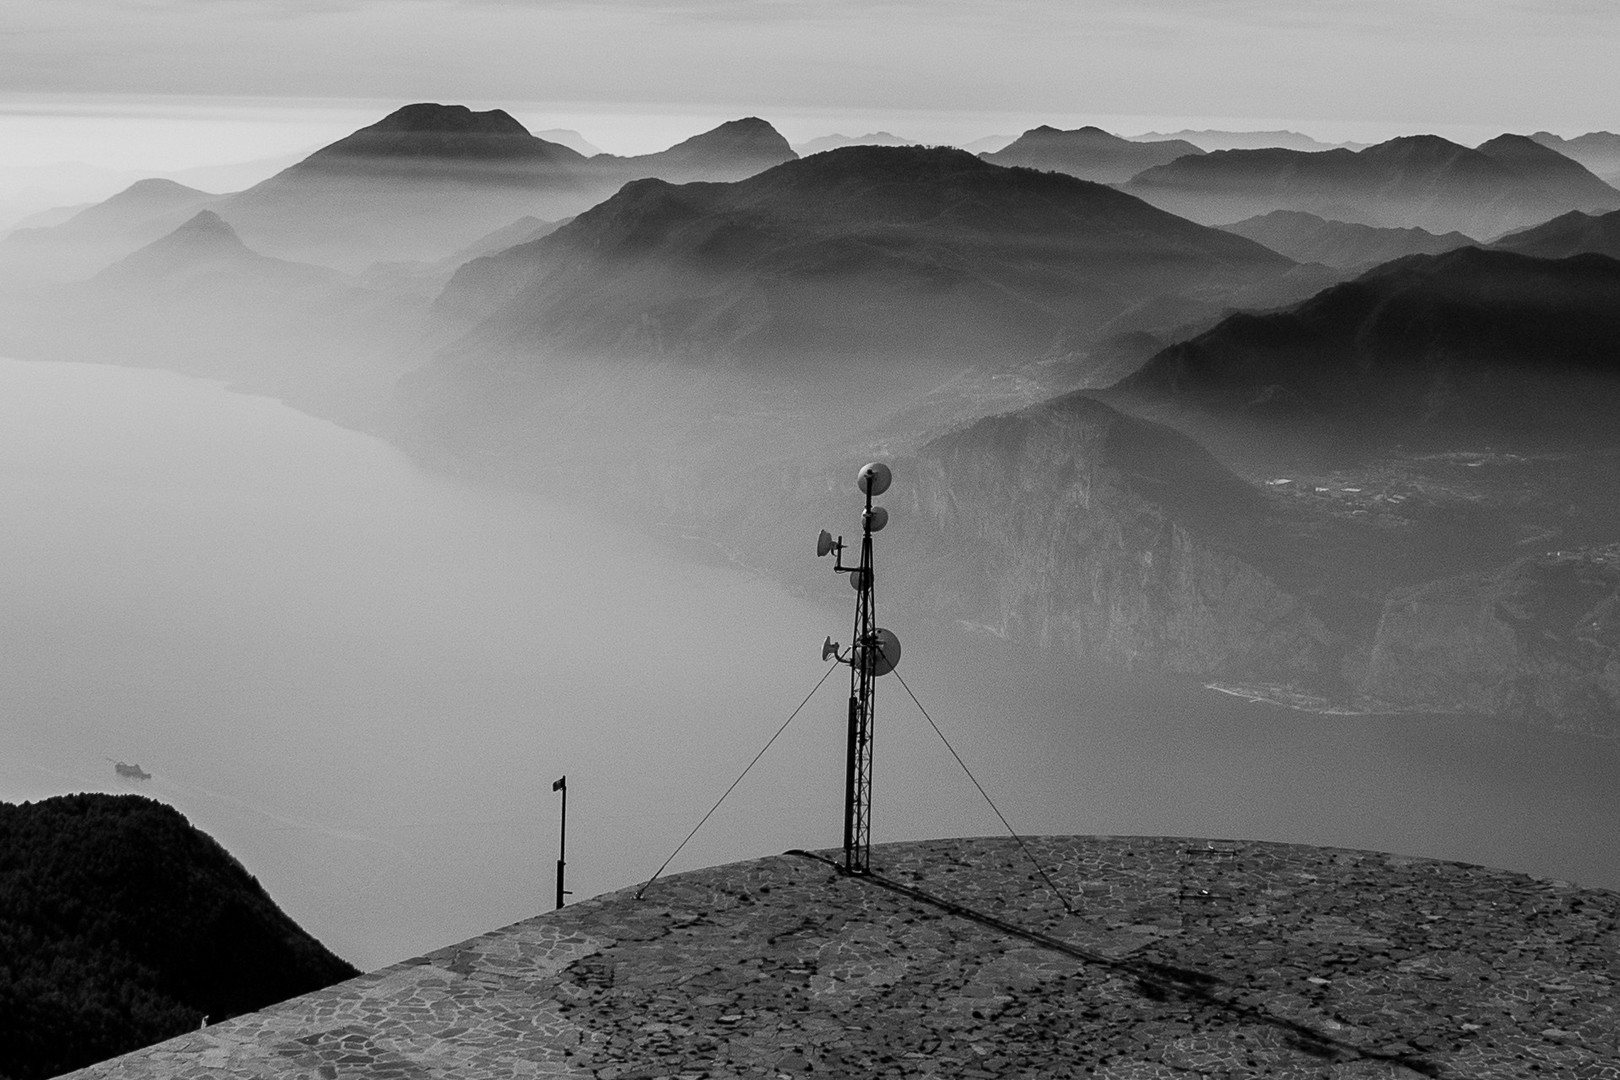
1308	238
1466	344
1561	177
201	301
1089	153
202	247
1597	150
97	235
426	280
1422	181
732	151
122	925
834	141
1573	233
1436	428
426	136
570	138
423	182
1210	139
863	249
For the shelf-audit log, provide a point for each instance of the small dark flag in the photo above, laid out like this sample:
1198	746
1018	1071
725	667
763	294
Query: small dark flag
559	784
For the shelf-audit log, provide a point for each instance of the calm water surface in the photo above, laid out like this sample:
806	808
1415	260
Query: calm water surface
363	677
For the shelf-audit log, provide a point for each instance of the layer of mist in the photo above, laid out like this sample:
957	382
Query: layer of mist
362	677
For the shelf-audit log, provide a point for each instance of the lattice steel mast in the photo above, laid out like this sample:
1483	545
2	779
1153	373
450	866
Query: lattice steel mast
874	652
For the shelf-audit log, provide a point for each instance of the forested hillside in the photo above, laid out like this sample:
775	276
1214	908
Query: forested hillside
122	925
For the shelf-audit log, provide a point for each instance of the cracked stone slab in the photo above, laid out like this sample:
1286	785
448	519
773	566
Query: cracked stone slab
1126	957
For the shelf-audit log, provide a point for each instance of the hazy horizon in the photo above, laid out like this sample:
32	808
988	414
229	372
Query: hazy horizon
176	84
1436	63
169	133
62	150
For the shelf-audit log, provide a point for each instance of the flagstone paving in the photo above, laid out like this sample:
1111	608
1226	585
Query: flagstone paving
1153	958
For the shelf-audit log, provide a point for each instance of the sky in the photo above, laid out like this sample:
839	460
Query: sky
149	84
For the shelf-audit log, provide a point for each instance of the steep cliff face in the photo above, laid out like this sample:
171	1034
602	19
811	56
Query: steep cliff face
1077	528
1537	641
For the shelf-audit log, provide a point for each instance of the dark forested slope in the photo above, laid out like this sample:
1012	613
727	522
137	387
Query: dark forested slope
1308	238
1474	345
1569	234
122	925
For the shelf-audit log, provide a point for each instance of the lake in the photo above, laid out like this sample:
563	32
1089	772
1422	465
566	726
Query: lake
363	677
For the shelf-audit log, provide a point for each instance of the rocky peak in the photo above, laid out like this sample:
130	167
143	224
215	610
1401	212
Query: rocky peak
451	134
429	116
205	239
749	137
206	227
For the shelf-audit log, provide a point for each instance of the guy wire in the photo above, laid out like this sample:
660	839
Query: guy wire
1010	831
734	783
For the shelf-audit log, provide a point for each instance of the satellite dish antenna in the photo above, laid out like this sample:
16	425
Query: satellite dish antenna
829	649
873	479
824	543
879	654
858	578
875	518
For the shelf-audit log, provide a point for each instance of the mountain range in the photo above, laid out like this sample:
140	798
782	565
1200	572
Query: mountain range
1210	139
1089	153
732	151
833	142
423	182
97	235
1468	346
1321	411
1307	238
1568	234
1417	181
870	250
201	301
1597	150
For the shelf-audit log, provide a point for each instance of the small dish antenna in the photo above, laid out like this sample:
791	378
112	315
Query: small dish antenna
829	649
873	479
879	654
825	544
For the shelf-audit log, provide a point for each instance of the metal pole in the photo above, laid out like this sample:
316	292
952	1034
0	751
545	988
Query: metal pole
562	843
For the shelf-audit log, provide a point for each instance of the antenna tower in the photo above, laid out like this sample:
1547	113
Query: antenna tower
873	652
